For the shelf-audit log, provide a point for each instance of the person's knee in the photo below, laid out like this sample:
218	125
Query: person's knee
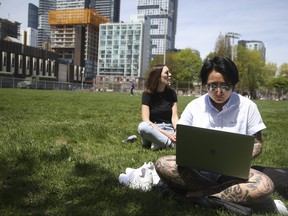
165	163
264	188
143	127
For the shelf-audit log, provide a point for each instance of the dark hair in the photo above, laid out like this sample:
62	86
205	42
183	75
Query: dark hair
154	78
223	65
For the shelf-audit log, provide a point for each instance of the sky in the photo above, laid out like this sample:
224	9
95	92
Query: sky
200	22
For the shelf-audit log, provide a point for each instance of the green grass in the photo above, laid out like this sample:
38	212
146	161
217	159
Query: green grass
61	153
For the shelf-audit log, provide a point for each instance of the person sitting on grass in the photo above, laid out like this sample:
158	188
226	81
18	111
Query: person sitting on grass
221	109
159	110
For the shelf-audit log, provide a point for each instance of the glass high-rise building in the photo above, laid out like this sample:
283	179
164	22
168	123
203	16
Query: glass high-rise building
43	26
109	9
163	15
32	16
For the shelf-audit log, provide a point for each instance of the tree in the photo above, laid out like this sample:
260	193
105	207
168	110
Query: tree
187	65
184	65
266	85
284	70
223	46
250	67
281	85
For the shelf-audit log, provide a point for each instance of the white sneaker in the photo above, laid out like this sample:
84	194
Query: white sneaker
123	178
151	171
281	208
128	170
141	178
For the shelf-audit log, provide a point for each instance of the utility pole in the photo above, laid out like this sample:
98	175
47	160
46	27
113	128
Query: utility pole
233	36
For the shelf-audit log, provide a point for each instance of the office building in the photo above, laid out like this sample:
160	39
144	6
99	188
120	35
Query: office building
163	15
125	48
32	16
109	9
254	45
43	26
9	28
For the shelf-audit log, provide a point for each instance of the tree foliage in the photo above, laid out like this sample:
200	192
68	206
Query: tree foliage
184	65
284	70
188	65
223	46
250	67
280	84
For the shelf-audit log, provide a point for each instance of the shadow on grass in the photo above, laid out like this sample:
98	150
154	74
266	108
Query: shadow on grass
88	189
16	183
99	193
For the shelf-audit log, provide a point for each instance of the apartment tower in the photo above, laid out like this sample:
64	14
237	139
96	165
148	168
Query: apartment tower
163	15
125	48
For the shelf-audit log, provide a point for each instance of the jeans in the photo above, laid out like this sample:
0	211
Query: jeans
151	135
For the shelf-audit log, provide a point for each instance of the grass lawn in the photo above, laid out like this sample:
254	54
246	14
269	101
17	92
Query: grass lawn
61	153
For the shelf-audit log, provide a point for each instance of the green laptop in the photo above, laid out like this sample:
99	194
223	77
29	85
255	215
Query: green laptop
215	151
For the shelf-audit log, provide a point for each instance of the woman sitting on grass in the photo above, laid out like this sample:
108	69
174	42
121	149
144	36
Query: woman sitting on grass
159	110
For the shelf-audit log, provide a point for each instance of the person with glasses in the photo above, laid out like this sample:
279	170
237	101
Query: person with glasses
159	110
222	109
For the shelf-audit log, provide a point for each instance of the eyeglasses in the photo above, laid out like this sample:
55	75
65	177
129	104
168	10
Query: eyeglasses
223	87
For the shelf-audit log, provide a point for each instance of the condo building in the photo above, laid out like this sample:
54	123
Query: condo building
125	48
163	15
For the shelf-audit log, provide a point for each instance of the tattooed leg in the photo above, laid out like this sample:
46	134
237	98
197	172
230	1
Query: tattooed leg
181	177
257	189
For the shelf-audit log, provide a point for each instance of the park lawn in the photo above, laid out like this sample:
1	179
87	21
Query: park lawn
61	153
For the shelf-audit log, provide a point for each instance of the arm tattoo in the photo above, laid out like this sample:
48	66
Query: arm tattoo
257	149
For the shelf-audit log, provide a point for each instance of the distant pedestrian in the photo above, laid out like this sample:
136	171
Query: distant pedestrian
132	86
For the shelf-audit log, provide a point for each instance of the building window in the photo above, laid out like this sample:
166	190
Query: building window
5	61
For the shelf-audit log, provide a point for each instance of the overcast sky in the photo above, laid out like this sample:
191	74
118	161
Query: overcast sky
200	22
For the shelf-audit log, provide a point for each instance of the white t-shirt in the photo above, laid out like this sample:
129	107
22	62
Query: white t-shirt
239	115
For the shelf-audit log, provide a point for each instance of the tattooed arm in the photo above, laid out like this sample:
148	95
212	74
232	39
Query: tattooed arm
257	145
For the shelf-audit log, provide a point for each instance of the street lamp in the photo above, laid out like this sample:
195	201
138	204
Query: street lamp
167	14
